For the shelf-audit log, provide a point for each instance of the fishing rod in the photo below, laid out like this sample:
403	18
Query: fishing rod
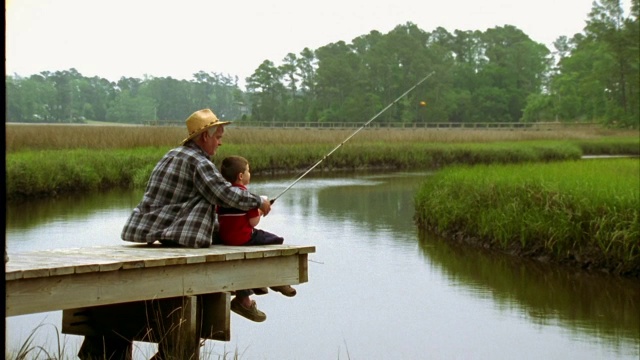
350	136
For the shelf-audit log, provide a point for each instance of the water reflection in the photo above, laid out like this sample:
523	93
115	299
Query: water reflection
382	202
602	306
34	213
69	221
377	288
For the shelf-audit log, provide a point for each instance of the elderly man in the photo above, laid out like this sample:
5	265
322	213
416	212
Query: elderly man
178	208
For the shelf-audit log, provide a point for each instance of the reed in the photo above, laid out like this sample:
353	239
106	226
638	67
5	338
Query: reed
45	160
60	350
584	212
55	137
32	174
46	173
610	145
29	350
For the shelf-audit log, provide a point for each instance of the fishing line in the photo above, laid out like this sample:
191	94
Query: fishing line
350	136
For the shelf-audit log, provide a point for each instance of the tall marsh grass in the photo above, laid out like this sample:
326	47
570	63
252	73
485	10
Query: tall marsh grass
45	173
573	211
28	350
44	160
55	137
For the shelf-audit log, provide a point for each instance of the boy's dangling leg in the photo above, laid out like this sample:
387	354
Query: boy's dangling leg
247	308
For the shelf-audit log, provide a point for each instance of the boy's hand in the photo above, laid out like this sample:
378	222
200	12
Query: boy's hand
265	207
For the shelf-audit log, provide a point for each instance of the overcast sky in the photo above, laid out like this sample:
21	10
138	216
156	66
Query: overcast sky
115	38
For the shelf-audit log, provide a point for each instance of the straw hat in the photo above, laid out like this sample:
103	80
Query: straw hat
200	121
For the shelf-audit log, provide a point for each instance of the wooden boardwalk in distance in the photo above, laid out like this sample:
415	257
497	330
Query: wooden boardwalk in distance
169	295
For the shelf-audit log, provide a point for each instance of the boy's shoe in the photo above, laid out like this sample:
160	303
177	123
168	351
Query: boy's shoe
285	290
251	313
261	291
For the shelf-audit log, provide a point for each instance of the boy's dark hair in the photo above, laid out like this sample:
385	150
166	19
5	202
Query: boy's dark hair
232	166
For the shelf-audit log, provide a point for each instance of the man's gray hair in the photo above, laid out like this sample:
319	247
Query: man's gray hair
212	130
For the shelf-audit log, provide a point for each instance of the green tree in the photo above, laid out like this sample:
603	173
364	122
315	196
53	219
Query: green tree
513	71
265	91
27	99
598	79
96	95
291	104
469	58
219	92
439	90
172	97
127	108
31	99
337	77
306	67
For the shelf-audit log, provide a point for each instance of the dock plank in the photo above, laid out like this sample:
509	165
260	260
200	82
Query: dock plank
102	288
112	258
58	279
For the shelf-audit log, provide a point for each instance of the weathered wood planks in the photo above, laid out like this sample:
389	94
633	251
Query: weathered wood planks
55	262
61	279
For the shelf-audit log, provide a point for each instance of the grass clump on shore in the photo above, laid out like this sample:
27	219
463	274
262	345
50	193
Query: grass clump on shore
47	173
610	146
581	212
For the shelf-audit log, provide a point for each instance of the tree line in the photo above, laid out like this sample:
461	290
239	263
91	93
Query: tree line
497	75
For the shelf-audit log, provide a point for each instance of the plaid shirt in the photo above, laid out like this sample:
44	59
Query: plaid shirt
180	199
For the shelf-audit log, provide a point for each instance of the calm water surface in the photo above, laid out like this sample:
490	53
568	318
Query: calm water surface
378	288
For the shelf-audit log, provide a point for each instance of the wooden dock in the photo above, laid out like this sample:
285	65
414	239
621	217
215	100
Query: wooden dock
168	295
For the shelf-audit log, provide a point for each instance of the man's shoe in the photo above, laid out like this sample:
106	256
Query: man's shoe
251	313
286	290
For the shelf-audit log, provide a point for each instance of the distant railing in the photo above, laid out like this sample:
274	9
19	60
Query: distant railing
447	125
164	123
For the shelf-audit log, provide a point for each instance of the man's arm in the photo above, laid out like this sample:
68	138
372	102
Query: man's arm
217	190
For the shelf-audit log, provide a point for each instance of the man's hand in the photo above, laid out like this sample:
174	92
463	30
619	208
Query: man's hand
266	205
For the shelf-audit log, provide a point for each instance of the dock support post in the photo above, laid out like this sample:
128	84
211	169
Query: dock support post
180	332
216	319
177	324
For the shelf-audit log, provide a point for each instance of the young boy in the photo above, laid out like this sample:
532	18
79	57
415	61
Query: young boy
237	228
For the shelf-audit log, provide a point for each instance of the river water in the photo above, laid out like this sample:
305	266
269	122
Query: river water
378	288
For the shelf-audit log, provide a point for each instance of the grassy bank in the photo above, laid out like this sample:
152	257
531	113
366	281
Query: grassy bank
581	212
48	160
46	173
